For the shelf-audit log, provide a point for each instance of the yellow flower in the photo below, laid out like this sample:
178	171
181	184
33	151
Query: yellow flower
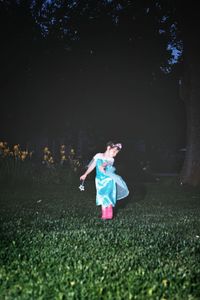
6	151
51	160
46	149
3	145
16	147
23	157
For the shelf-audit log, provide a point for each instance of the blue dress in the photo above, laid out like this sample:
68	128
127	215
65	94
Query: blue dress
110	187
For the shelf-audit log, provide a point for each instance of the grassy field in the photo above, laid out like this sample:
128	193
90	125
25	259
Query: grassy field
54	246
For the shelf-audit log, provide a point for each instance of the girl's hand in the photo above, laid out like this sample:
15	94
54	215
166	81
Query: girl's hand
83	177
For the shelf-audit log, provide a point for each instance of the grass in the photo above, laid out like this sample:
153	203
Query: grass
53	246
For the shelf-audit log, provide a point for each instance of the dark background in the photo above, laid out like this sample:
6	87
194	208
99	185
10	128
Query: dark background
108	73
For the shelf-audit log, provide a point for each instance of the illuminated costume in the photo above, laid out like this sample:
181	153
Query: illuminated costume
110	187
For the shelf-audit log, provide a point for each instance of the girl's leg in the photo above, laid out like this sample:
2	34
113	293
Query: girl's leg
104	210
109	214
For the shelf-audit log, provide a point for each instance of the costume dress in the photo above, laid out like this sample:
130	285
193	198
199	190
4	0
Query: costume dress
110	187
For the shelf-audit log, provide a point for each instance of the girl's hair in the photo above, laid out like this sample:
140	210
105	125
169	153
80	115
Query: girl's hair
114	145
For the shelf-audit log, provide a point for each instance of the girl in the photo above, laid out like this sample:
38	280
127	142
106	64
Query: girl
109	186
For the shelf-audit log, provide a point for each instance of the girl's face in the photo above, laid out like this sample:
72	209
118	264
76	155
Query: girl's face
113	151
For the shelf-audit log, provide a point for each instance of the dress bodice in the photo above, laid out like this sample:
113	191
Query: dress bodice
100	159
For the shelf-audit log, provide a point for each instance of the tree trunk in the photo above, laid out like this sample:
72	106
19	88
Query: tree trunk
190	93
190	173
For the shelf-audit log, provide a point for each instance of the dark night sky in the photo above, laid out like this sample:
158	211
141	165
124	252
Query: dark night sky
108	89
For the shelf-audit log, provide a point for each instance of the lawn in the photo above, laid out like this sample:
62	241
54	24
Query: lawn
54	246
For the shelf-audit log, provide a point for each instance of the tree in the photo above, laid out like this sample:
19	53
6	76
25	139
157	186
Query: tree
188	18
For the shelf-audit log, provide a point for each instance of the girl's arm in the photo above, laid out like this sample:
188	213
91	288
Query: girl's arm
89	170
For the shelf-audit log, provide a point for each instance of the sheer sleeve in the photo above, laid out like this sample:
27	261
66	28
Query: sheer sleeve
93	161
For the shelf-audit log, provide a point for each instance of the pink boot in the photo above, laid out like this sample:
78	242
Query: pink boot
104	211
109	214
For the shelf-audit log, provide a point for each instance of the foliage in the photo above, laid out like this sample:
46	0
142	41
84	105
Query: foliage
53	246
20	166
15	163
